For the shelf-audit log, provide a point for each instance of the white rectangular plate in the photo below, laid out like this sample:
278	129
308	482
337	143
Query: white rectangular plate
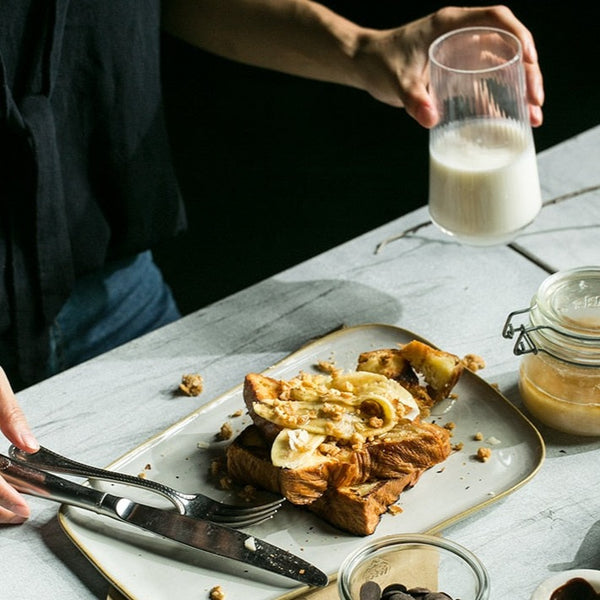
144	567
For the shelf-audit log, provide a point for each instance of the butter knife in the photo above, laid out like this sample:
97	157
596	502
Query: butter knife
197	533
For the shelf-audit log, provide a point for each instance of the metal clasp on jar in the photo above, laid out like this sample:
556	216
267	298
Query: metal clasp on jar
525	344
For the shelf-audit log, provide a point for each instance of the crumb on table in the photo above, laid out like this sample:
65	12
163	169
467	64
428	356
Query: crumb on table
473	362
191	384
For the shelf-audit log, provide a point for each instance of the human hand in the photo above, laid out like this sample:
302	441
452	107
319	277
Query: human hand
13	508
393	64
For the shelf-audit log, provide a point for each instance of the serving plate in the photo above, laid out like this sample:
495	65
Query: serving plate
144	567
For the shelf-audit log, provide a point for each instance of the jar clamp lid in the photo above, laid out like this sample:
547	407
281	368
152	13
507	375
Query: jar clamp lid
564	319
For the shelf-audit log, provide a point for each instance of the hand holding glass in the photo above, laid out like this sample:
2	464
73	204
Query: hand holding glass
483	182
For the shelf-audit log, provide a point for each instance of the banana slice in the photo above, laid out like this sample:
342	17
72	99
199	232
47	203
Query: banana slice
341	406
369	415
364	383
296	448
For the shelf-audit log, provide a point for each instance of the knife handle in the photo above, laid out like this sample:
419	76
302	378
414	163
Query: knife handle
34	482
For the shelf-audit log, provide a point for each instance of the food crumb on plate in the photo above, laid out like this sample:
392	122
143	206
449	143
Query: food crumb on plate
326	366
226	432
216	593
484	454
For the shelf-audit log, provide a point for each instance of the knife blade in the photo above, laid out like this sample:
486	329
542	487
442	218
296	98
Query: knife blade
196	533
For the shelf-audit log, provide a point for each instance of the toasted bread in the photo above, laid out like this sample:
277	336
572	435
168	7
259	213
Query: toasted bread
412	448
440	370
356	509
345	445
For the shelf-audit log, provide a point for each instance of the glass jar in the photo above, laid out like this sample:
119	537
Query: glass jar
559	376
415	561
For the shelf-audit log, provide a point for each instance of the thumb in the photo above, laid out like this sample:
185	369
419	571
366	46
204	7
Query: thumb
12	419
13	507
419	105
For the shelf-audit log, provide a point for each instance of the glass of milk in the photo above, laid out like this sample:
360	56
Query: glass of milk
483	179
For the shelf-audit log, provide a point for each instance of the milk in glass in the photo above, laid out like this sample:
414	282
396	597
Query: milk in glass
484	185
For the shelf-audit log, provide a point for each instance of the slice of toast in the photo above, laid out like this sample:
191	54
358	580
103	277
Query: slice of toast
412	448
356	509
440	370
348	478
407	446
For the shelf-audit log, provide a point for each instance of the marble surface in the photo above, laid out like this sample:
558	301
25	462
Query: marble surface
458	297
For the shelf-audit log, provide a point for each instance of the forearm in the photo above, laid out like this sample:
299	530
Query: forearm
305	38
299	37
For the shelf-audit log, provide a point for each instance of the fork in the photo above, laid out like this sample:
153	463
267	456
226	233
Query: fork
192	505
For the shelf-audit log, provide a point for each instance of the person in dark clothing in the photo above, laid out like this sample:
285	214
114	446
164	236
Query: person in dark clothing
88	187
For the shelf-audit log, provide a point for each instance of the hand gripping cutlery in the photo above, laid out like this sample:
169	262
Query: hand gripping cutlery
196	533
192	505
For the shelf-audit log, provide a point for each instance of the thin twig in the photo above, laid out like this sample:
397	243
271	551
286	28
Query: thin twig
415	228
591	188
406	232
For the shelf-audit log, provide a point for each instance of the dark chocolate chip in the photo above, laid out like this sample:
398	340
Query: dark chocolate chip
418	592
370	590
396	596
394	587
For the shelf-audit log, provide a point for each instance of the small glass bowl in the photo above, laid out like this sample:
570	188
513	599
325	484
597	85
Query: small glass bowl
414	560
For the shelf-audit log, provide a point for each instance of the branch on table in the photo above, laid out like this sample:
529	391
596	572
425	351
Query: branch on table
415	228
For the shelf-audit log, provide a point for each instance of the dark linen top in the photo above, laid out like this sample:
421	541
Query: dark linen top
85	171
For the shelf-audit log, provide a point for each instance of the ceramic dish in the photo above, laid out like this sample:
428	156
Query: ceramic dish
144	567
546	588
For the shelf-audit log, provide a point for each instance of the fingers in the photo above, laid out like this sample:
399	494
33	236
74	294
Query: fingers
533	73
12	419
503	18
9	518
536	117
535	94
498	16
419	105
13	508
